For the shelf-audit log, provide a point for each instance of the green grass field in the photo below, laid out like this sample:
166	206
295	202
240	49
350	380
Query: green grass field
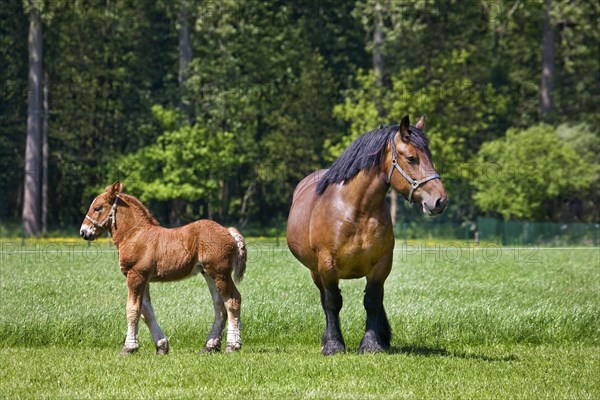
495	323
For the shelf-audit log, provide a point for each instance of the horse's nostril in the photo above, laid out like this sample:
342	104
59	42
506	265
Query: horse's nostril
438	203
81	233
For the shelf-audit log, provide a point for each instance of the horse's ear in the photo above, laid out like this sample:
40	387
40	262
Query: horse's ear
405	128
421	123
115	188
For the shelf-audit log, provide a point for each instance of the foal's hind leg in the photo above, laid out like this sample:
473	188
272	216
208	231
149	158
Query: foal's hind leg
233	301
213	342
160	340
331	300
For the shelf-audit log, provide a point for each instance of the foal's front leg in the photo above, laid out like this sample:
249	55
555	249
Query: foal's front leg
136	285
158	336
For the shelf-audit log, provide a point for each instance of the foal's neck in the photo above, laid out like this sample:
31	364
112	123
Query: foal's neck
131	217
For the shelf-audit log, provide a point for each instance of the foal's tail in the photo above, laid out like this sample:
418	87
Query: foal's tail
240	265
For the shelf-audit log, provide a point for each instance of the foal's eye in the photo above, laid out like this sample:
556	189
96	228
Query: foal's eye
97	209
411	159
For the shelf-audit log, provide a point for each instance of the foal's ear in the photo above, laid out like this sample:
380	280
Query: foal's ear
405	128
115	188
421	123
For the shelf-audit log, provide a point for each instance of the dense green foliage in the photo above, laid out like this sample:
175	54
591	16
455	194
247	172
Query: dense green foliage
275	90
519	174
483	323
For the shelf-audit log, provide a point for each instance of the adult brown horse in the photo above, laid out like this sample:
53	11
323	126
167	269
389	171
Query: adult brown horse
340	226
149	252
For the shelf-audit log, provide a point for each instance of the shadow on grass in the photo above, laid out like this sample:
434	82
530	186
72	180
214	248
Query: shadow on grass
441	352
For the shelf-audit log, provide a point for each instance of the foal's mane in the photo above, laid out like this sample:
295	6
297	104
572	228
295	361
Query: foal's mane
367	152
139	205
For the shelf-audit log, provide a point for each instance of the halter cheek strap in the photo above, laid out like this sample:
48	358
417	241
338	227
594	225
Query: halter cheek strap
111	217
414	184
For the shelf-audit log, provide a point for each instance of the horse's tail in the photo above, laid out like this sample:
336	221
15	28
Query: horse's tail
240	265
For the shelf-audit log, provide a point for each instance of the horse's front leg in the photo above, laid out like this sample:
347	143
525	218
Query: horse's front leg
378	333
158	336
331	301
136	285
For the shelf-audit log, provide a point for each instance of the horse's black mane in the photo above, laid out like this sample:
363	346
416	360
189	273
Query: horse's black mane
367	152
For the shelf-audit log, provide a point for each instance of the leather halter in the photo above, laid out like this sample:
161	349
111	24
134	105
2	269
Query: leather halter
414	184
111	217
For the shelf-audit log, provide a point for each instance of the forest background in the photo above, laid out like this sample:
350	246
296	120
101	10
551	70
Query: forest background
217	109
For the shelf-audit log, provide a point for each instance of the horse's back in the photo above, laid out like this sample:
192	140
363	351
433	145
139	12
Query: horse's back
308	184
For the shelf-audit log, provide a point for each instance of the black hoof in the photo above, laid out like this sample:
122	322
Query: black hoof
332	347
370	344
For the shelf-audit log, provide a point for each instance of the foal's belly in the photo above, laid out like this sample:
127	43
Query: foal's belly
174	272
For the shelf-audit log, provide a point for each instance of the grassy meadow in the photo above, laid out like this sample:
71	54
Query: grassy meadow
484	323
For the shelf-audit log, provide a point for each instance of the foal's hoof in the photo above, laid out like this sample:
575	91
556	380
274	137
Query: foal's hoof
128	351
210	350
162	347
231	347
332	347
212	346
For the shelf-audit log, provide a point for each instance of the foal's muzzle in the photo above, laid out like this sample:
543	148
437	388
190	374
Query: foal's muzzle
87	232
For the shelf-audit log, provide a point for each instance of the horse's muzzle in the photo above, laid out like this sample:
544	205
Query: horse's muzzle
438	206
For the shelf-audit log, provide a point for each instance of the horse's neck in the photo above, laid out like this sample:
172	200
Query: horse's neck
129	220
367	191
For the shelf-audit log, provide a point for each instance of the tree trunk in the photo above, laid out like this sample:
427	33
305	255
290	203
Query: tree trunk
185	57
378	64
377	56
547	61
45	159
33	149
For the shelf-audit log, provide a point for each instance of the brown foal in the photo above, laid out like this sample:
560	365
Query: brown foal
149	252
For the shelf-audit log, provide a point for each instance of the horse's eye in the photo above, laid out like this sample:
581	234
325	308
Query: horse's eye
97	209
411	159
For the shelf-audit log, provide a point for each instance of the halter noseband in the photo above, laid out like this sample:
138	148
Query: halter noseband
414	184
111	216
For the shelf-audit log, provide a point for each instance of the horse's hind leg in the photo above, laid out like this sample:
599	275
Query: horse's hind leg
213	342
158	337
331	300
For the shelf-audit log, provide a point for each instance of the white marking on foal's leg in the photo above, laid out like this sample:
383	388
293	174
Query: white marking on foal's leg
158	336
213	342
131	340
234	337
